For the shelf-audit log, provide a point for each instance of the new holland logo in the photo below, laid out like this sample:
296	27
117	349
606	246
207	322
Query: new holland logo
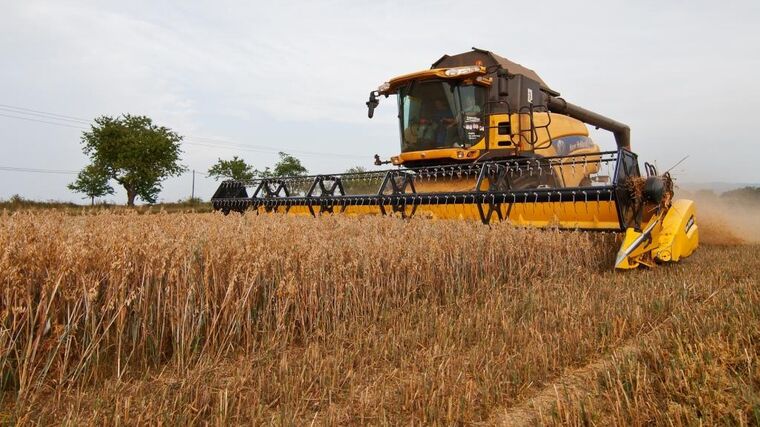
689	224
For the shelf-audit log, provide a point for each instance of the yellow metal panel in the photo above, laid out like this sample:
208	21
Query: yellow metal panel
668	236
442	153
679	235
558	126
495	140
572	215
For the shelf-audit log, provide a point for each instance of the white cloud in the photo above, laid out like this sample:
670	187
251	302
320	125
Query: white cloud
296	74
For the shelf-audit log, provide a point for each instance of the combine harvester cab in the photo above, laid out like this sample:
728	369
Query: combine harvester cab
484	138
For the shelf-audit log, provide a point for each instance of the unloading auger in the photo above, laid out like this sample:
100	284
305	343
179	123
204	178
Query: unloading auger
485	138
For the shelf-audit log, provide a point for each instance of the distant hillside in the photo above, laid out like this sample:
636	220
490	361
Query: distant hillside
717	187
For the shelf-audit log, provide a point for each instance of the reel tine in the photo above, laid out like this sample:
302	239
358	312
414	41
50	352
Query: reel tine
585	194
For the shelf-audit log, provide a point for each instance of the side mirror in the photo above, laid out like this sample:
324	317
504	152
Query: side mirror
379	162
372	104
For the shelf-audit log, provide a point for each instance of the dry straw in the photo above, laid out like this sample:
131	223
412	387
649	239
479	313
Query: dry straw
191	318
86	293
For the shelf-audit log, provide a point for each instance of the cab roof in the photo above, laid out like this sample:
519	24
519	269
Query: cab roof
488	59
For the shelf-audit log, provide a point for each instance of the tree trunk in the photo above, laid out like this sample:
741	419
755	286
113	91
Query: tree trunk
131	194
92	200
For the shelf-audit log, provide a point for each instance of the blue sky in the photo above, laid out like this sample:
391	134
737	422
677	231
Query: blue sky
251	79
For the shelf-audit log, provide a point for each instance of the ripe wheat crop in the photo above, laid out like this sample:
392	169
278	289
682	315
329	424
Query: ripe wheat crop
198	318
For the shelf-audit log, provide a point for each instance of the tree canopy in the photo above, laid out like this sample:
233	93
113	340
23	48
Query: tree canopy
236	169
360	186
289	166
135	153
92	182
356	169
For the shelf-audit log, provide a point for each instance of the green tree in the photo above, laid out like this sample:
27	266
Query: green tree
232	169
266	173
289	166
135	153
356	169
92	182
366	184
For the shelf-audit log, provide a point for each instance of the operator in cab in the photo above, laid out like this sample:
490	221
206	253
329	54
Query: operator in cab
443	119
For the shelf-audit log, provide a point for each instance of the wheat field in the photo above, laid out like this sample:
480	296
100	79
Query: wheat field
200	318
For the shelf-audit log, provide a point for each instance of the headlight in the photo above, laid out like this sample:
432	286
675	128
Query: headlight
459	71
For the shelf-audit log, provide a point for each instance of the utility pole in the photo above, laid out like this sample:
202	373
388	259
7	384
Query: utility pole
192	192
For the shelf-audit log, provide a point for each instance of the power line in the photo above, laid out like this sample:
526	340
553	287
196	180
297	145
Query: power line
259	149
38	170
43	121
252	147
210	142
22	110
72	172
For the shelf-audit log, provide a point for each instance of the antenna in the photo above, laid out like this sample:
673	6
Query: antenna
679	162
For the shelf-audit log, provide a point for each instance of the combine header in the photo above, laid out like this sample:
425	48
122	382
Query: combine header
485	138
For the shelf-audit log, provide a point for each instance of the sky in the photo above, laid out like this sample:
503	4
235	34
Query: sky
255	78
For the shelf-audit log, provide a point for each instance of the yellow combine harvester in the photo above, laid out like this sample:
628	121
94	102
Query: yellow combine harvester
485	138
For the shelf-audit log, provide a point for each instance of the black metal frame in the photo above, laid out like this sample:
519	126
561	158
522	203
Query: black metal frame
626	167
397	183
398	194
326	193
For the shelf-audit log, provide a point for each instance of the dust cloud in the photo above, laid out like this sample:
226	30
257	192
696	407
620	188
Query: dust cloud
726	222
